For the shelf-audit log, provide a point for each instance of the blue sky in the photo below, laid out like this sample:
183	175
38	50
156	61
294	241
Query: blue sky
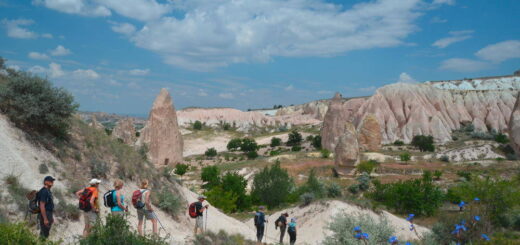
115	55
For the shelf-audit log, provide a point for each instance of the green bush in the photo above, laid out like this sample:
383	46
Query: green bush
445	158
437	174
363	183
225	200
398	143
226	126
419	196
211	175
115	231
424	143
313	185
234	144
99	169
237	184
43	168
248	145
367	166
276	142
197	125
274	153
325	153
343	224
19	233
296	148
252	155
211	152
272	186
464	174
17	192
316	142
295	138
181	169
501	138
334	190
307	198
220	238
405	157
168	201
33	104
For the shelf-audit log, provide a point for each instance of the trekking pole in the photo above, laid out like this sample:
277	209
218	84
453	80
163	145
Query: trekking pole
162	227
206	222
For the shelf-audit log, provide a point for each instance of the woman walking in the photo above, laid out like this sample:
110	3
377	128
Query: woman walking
147	210
119	199
291	229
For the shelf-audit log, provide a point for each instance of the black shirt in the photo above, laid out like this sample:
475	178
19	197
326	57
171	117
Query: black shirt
282	220
45	195
198	207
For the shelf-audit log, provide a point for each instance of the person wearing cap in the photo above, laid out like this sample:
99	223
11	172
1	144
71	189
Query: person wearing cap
291	229
199	221
91	216
46	204
260	224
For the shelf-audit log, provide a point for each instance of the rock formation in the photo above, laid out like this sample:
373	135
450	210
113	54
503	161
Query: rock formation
125	131
315	109
161	133
514	126
346	154
95	124
369	134
333	123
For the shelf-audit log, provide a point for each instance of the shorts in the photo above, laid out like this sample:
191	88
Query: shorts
141	213
199	222
90	217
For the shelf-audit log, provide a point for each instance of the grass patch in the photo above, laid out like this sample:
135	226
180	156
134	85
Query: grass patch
17	191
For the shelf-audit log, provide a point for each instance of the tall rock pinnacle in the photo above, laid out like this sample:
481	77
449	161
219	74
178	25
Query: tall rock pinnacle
514	126
333	123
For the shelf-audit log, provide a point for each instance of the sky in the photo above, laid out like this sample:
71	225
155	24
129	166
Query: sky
116	55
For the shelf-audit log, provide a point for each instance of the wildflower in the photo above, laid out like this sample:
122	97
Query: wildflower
393	240
485	237
357	228
410	217
476	199
412	227
476	218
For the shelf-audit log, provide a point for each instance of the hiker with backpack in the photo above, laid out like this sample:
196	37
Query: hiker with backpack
116	200
260	224
282	223
141	201
291	229
89	203
196	211
45	203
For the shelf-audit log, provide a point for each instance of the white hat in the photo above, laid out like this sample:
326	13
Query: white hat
94	181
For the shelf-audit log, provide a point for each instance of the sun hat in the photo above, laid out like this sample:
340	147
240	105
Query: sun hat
94	181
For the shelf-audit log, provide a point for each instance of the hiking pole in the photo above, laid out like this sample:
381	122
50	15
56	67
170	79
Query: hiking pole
162	227
206	222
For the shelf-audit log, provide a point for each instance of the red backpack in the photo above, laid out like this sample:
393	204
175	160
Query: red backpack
84	200
192	210
137	199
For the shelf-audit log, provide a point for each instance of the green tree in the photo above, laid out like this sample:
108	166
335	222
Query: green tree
295	138
33	104
181	169
325	153
367	166
405	157
276	142
225	200
501	138
272	186
248	145
316	142
423	142
210	175
234	144
197	125
237	184
398	143
211	152
314	185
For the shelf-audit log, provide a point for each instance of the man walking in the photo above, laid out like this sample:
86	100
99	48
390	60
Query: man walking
281	223
199	220
46	204
260	224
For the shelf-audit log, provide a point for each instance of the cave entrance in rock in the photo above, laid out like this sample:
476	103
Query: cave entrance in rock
166	161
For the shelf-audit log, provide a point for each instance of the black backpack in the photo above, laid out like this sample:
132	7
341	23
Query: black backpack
277	222
257	220
108	199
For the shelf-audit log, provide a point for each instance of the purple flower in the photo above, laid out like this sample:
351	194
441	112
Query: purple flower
408	243
461	204
393	239
364	235
476	199
476	218
412	227
357	228
485	237
410	217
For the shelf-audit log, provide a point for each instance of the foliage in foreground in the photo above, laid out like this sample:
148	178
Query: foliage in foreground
19	233
220	238
115	231
342	227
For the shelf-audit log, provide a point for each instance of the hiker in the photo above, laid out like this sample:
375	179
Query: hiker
291	229
199	220
89	203
46	205
282	223
260	224
119	199
146	211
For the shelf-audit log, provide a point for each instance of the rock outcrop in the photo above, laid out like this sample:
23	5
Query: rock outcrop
333	123
95	124
369	134
161	133
346	154
315	109
514	126
125	131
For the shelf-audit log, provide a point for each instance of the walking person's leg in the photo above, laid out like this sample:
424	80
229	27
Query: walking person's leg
282	233
140	221
152	217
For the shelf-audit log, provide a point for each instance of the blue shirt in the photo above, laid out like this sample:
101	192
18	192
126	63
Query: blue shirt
292	226
117	208
259	218
45	195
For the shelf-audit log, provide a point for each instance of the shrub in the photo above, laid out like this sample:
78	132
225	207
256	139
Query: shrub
367	166
334	190
234	144
296	148
424	143
168	201
398	143
445	158
468	128
98	169
225	200
248	145
272	185
220	238
20	233
325	153
307	198
211	152
226	126
274	153
454	138
316	142
17	191
43	168
482	135
295	138
501	138
210	175
197	125
32	103
437	174
362	185
464	174
419	196
252	155
309	138
115	231
276	142
405	157
343	224
313	185
181	169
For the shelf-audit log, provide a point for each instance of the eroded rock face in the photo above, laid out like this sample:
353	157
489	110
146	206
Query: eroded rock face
95	124
346	154
514	126
125	131
161	133
369	134
333	123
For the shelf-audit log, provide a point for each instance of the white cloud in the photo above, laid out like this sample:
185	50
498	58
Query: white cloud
47	35
15	28
139	72
113	82
448	2
80	7
123	28
14	67
37	69
144	10
463	65
37	56
289	88
86	74
406	78
54	70
455	36
501	51
60	51
229	32
226	95
202	93
438	19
